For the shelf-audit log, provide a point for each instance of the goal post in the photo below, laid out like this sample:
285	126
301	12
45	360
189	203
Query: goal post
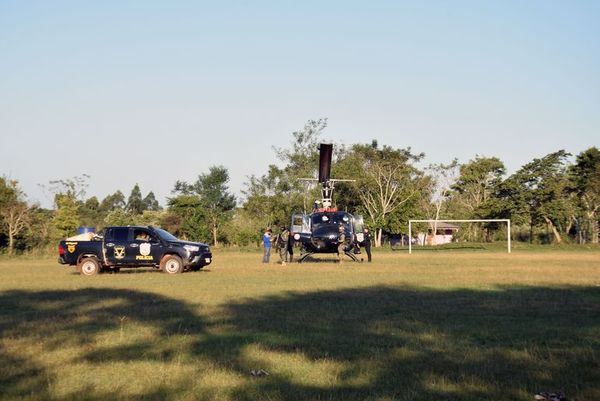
410	222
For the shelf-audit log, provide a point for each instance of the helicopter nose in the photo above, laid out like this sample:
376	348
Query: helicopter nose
325	233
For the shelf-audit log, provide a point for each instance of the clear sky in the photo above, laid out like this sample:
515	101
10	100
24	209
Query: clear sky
156	91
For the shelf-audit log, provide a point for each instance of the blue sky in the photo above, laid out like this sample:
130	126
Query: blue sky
96	87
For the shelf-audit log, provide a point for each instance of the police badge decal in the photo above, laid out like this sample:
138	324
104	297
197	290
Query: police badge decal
119	252
145	249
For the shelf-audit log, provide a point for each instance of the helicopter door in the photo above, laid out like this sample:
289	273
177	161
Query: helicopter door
299	223
306	223
358	225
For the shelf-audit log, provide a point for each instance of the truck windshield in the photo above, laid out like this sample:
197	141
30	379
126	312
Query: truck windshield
166	235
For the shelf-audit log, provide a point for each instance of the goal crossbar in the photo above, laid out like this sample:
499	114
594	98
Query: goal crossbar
507	221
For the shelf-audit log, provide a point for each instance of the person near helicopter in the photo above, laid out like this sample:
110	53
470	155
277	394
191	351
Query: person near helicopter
341	241
282	244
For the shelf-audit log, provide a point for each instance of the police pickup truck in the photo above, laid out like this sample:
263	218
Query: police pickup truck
133	247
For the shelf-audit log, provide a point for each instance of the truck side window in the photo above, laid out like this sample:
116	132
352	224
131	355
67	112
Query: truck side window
141	235
120	234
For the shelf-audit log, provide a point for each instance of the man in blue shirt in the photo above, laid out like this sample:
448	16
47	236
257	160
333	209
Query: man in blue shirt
267	245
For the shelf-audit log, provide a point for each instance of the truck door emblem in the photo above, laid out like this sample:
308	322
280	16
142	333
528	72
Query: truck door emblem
145	249
119	252
71	248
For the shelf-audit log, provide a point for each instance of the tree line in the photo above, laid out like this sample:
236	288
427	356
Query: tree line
552	199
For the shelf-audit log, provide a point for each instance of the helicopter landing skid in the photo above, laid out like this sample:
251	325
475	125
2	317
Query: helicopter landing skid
308	254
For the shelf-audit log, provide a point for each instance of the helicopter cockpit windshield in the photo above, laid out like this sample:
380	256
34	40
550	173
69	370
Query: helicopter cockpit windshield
333	219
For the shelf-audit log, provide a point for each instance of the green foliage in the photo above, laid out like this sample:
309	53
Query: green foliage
585	178
272	198
477	182
90	213
66	219
14	213
205	206
150	202
388	185
119	217
547	199
113	201
186	218
39	232
537	194
302	159
244	230
135	203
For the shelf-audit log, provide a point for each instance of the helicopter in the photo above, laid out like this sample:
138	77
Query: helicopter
317	232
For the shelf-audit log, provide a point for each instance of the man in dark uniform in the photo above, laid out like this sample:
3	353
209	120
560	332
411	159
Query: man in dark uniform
367	242
282	244
290	247
341	241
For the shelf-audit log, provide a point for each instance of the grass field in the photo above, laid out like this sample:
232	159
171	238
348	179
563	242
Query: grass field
429	326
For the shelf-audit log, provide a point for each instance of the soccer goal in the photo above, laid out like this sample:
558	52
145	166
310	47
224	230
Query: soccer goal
439	232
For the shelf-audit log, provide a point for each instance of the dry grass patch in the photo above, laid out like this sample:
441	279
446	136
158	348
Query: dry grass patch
438	326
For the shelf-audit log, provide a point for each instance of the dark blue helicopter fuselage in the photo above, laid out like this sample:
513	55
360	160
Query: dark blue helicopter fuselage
323	236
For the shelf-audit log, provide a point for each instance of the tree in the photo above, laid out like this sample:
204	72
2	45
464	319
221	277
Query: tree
302	159
114	201
40	226
186	218
119	217
68	198
538	192
386	180
66	218
477	181
585	175
89	212
470	195
13	210
150	202
217	202
214	202
135	203
74	187
442	178
272	198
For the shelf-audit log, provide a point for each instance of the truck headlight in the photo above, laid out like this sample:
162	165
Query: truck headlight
191	248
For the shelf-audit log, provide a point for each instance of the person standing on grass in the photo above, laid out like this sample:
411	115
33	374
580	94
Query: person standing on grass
282	244
367	242
266	245
341	241
290	247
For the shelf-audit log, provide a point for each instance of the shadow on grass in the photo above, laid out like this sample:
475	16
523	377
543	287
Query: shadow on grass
356	344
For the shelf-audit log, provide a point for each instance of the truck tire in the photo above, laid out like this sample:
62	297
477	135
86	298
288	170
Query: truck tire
171	264
88	266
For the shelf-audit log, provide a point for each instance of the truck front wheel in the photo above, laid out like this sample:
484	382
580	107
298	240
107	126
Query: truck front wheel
171	264
88	266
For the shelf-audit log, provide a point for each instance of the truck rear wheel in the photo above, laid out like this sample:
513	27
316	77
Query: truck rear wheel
171	264
88	266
